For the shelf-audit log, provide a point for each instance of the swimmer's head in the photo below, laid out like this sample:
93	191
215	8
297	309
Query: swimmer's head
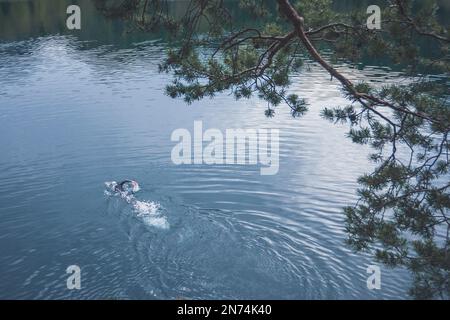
129	186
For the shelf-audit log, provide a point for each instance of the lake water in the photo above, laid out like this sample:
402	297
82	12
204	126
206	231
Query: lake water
79	109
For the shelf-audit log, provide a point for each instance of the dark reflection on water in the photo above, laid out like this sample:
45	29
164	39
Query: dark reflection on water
80	109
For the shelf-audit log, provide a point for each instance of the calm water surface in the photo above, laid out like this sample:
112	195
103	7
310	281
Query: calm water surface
76	112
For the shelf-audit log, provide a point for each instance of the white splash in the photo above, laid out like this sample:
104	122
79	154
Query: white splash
145	207
150	213
110	185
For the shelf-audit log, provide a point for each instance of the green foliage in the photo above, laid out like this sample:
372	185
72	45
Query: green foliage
317	12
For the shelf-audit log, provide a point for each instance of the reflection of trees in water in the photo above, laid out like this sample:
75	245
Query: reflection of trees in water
33	18
29	18
24	19
40	17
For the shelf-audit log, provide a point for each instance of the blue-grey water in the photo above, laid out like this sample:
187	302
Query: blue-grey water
76	112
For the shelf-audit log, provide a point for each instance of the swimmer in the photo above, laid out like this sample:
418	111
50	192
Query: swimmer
148	211
127	186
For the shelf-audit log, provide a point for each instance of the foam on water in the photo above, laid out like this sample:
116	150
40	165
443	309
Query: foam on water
145	207
150	214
